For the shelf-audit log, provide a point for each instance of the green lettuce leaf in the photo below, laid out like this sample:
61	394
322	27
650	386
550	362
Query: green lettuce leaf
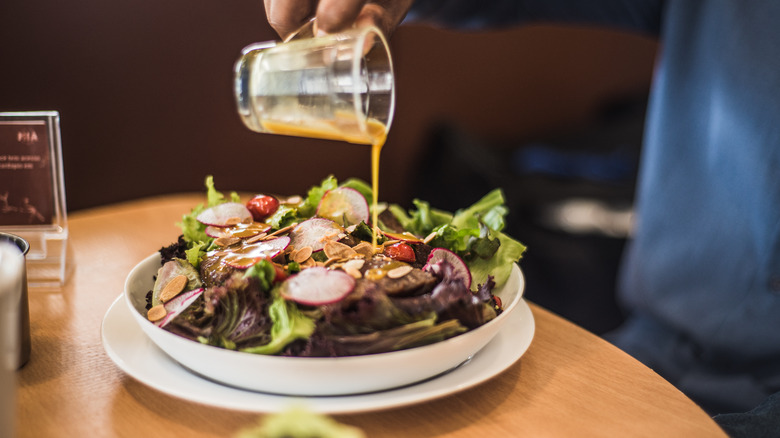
193	231
421	221
289	324
312	200
500	265
474	233
361	186
264	272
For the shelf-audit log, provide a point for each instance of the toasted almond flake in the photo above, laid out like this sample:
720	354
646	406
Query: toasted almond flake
156	313
334	262
399	271
301	255
232	221
226	241
335	249
329	237
283	230
174	287
355	273
355	264
364	248
429	237
351	228
310	262
295	199
256	238
390	242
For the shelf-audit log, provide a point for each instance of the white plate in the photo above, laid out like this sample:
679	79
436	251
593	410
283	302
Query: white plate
316	376
133	352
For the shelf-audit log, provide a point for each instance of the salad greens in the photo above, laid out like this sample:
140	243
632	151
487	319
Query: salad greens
474	233
243	309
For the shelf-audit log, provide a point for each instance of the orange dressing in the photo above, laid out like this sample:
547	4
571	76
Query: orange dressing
343	128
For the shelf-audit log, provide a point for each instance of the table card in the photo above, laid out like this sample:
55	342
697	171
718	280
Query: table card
32	192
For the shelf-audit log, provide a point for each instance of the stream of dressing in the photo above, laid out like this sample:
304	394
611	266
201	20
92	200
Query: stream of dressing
333	130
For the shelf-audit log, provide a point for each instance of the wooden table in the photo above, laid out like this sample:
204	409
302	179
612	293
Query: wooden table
569	383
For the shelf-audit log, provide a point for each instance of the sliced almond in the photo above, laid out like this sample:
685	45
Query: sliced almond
295	199
334	263
256	238
352	272
226	241
429	237
174	287
301	255
335	249
156	313
390	242
330	236
283	230
399	271
232	221
364	248
355	264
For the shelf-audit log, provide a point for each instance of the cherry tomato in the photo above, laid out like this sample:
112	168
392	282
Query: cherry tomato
401	252
262	206
281	275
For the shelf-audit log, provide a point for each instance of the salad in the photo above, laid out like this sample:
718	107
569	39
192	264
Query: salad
308	275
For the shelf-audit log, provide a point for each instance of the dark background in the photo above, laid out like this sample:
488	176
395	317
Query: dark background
144	90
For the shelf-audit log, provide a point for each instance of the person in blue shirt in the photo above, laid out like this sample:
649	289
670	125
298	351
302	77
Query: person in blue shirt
701	276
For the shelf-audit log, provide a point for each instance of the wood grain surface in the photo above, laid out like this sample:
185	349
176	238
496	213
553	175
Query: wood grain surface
569	383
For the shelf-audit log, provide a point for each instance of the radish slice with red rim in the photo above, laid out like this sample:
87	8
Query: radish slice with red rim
314	233
344	205
251	253
441	254
225	215
177	305
242	230
318	285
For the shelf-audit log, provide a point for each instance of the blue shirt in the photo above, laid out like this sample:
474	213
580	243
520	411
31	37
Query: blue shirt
701	277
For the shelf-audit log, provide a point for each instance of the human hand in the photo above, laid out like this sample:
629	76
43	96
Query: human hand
287	16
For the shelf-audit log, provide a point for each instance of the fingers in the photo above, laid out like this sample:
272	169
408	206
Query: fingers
337	15
384	14
287	16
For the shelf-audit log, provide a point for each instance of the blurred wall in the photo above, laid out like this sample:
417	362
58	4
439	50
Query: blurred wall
144	88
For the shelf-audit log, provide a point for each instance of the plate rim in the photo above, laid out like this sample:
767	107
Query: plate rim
354	403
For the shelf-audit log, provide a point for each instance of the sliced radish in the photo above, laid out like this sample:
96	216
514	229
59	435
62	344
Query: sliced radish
242	230
225	215
251	253
440	254
404	237
217	232
344	205
177	305
168	271
317	285
314	233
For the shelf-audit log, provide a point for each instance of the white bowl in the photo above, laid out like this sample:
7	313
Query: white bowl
315	376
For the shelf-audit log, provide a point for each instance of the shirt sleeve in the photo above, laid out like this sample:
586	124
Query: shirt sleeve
637	15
